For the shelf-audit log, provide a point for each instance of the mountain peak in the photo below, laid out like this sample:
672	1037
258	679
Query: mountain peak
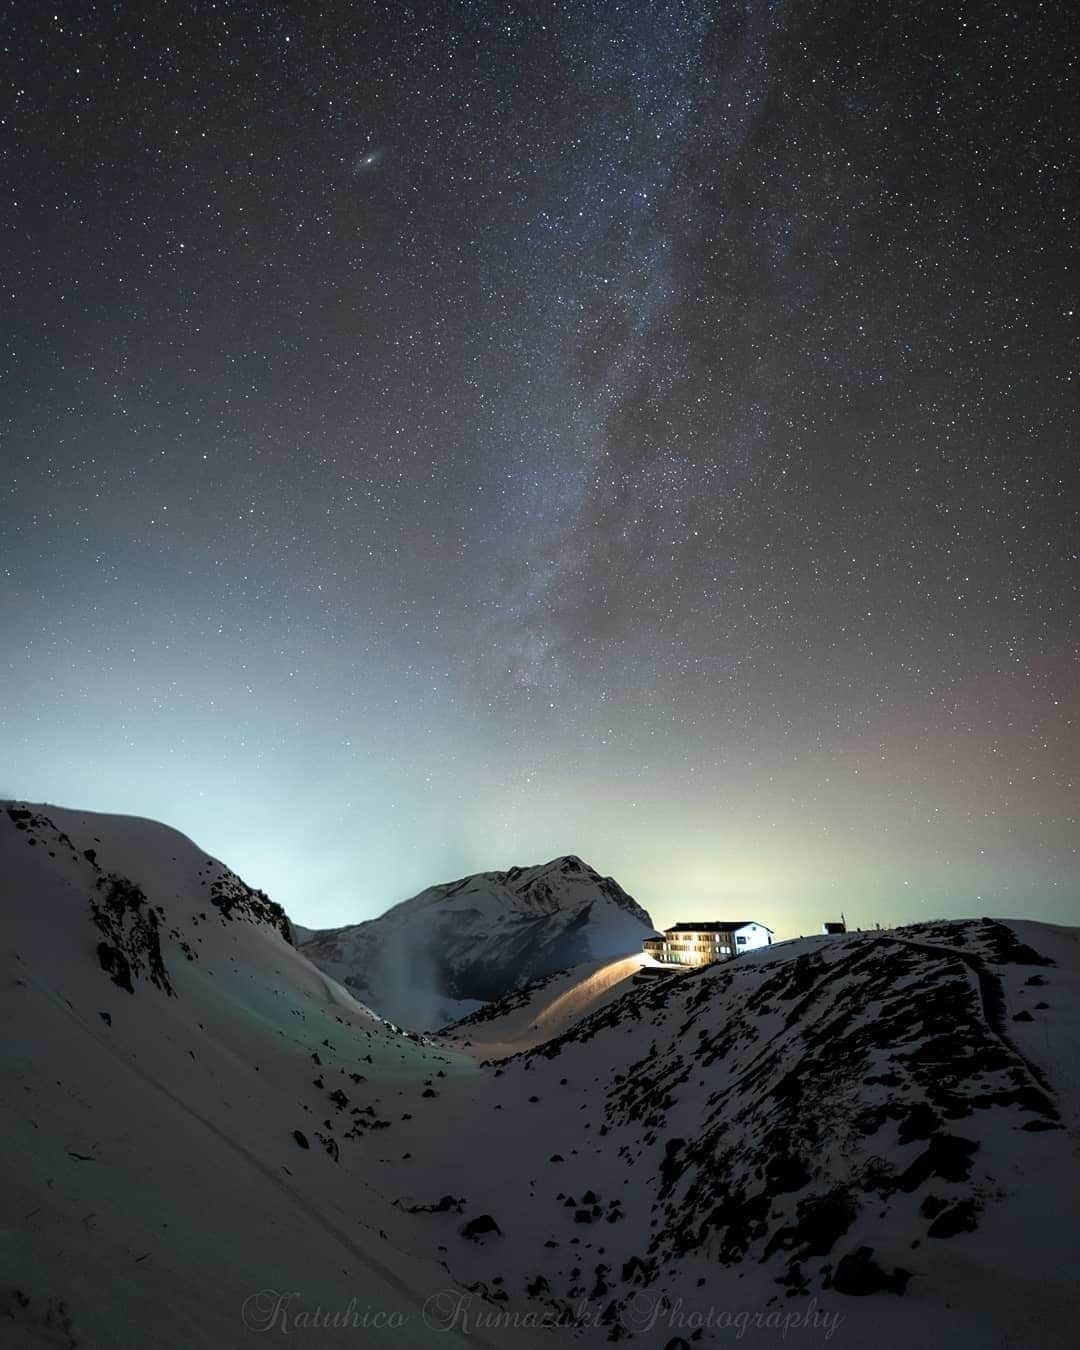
456	945
570	862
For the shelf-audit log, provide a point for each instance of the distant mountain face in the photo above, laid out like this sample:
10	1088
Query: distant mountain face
454	947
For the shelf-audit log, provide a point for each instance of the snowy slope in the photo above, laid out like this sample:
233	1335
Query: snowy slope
544	1008
156	1062
873	1137
454	947
866	1128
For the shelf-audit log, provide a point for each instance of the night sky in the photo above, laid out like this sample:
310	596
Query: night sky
443	436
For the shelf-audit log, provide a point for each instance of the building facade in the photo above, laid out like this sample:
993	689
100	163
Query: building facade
698	944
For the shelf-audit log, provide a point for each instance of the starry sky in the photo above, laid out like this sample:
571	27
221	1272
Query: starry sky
450	435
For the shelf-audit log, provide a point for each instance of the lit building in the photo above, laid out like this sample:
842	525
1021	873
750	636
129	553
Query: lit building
697	944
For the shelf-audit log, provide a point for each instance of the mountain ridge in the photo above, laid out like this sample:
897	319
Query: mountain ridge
525	882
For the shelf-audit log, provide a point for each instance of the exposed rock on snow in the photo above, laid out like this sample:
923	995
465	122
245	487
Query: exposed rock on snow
131	944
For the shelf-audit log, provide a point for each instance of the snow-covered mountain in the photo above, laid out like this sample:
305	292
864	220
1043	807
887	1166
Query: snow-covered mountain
875	1134
873	1138
454	947
172	1084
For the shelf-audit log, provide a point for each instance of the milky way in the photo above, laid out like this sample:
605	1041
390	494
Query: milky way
443	437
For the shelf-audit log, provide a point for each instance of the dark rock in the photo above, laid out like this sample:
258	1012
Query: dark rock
932	1206
959	1218
948	1156
670	1166
920	1123
115	964
129	926
785	1172
822	1220
858	1274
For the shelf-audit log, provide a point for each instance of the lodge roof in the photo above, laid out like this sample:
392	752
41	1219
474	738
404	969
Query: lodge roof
717	926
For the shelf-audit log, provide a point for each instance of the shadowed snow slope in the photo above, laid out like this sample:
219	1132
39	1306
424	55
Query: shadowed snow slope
162	1044
870	1139
454	947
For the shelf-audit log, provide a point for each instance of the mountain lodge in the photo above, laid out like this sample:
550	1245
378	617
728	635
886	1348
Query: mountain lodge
697	944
